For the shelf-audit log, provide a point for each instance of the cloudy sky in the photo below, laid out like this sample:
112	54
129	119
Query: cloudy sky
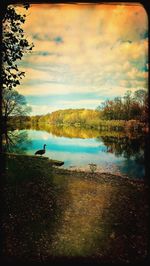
83	54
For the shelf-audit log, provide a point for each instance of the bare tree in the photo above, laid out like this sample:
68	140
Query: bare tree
13	104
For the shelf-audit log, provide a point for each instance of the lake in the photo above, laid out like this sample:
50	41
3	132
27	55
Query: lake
116	153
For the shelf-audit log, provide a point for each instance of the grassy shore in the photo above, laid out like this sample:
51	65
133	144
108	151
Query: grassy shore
51	213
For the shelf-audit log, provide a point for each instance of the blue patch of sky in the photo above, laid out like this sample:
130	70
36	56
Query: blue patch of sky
140	65
144	68
39	81
40	37
58	39
144	34
46	53
45	66
51	99
46	37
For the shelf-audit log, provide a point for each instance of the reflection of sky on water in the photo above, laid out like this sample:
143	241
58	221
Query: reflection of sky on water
131	168
76	152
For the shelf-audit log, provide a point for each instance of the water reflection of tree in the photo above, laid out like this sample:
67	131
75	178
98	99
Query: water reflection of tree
75	132
126	147
15	141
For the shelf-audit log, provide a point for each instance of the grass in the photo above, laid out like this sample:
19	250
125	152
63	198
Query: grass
50	212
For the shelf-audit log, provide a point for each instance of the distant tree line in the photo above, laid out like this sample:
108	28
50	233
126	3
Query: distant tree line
72	117
127	113
130	106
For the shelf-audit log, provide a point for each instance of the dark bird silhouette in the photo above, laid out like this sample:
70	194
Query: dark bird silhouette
41	152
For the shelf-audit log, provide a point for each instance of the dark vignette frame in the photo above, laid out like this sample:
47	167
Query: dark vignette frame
3	6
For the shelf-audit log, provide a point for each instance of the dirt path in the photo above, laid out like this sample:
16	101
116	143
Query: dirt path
82	221
104	218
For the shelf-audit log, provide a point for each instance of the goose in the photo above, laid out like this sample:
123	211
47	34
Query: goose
41	152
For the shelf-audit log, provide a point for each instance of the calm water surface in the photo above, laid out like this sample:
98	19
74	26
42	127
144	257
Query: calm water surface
119	155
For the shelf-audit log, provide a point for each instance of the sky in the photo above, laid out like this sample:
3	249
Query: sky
83	54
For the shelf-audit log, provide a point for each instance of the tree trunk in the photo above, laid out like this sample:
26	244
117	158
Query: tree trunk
4	124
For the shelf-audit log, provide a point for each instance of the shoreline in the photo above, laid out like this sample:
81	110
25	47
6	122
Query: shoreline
98	175
59	166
